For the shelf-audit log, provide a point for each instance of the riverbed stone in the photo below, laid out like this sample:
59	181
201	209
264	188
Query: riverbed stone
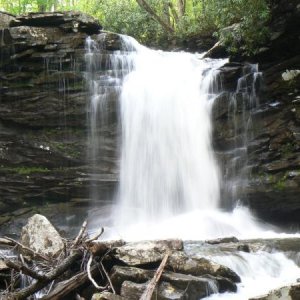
146	252
40	235
107	296
180	262
131	282
119	274
163	291
291	292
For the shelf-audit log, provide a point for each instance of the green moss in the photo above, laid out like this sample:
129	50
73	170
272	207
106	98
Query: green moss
26	170
67	149
280	185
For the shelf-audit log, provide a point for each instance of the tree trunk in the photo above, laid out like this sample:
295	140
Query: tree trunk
181	7
145	5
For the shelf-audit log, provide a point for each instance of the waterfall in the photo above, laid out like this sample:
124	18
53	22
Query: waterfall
167	163
169	180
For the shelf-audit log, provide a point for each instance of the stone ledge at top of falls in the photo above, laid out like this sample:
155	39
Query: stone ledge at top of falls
74	21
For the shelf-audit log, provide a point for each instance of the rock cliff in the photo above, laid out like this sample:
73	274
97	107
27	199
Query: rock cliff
43	96
274	139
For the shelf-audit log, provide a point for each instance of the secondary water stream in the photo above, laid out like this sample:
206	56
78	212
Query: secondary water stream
170	181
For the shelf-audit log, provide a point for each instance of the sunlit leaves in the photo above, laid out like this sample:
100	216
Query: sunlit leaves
168	20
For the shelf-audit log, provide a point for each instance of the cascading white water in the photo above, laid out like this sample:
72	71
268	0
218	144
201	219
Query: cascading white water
169	179
167	164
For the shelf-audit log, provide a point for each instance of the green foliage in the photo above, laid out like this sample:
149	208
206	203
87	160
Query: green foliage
127	17
154	22
249	18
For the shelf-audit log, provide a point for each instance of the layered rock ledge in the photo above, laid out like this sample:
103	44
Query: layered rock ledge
44	103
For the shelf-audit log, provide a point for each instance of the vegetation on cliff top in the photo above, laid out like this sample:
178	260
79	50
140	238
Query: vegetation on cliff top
160	22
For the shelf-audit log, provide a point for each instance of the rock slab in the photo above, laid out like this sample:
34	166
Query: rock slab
40	235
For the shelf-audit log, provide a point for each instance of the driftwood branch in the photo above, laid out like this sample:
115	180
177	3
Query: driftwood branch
88	269
64	288
108	278
6	242
27	249
58	289
99	248
80	234
24	269
95	237
152	284
48	277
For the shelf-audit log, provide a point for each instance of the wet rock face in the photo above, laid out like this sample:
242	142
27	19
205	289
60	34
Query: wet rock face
261	144
44	104
273	142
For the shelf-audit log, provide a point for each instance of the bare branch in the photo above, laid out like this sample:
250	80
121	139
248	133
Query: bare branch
24	269
147	295
80	234
108	278
88	269
39	284
95	237
32	252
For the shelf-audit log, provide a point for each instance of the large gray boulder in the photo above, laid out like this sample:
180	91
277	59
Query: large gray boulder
146	252
40	235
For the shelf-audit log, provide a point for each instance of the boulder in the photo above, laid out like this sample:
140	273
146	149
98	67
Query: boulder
40	235
291	292
5	19
70	21
106	296
231	239
146	252
180	262
131	282
163	291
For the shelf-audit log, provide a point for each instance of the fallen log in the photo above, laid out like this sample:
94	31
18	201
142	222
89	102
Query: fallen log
147	295
64	288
